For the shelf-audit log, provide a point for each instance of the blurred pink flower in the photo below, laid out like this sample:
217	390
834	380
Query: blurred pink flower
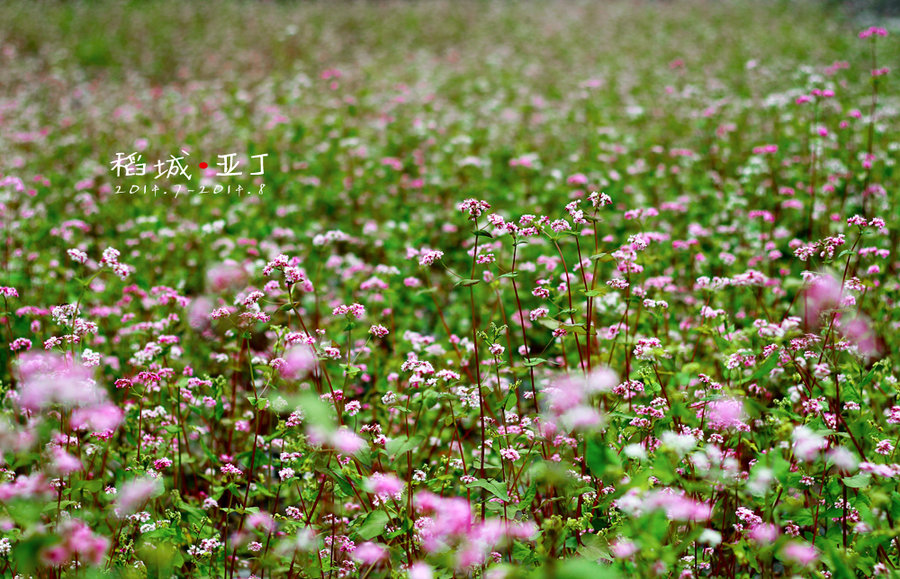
48	379
385	484
135	493
725	414
100	418
31	487
823	294
800	553
764	533
346	441
228	275
369	553
420	571
623	549
64	463
860	333
298	361
261	520
77	541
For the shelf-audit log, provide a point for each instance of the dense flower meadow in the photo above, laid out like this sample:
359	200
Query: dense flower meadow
501	290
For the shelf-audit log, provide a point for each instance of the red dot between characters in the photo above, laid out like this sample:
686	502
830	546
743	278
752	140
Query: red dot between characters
203	165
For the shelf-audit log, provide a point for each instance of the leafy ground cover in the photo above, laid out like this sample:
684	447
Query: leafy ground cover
448	289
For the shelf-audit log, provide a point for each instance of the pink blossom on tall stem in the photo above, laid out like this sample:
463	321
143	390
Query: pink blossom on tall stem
873	31
474	207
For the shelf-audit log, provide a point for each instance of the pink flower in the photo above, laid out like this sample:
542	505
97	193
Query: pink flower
764	534
378	331
601	380
726	414
101	418
77	255
452	518
161	463
385	484
298	361
623	549
843	459
64	463
135	493
261	520
510	454
420	571
8	292
31	487
474	207
860	333
823	294
54	556
807	443
81	541
873	31
49	379
355	310
77	541
346	441
369	553
428	257
800	553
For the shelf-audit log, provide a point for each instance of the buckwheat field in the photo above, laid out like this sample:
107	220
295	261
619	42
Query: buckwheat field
442	289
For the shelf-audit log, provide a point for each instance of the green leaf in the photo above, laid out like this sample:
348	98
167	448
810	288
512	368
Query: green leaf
858	481
600	457
535	362
342	481
528	497
576	568
549	323
763	370
372	525
468	282
493	487
836	560
401	445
